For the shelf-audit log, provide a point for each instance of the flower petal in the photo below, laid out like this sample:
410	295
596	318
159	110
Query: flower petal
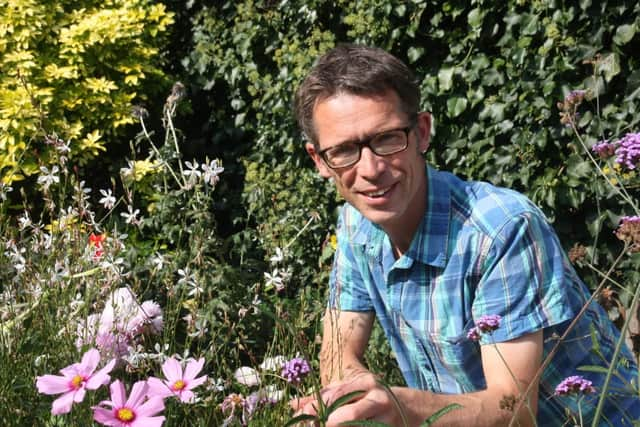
187	396
151	407
193	368
137	395
247	376
148	422
157	387
63	404
89	362
172	370
104	416
78	395
52	384
101	377
196	382
118	395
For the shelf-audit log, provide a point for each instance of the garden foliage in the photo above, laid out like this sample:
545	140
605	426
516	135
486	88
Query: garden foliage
220	218
73	68
491	73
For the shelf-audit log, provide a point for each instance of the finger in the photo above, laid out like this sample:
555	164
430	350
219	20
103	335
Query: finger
363	409
299	402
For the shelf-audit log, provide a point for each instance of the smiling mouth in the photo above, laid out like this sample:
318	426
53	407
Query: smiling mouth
378	193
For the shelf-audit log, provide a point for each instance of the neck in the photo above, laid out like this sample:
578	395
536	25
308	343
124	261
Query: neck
401	232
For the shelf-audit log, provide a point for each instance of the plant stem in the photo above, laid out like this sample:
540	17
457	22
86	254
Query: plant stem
616	354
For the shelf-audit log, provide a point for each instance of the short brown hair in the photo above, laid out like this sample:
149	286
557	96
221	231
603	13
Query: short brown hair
357	70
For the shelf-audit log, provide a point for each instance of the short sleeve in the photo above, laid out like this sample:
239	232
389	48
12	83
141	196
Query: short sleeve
348	290
523	277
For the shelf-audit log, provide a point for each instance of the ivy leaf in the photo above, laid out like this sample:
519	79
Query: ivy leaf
475	18
624	34
445	78
414	53
456	105
577	167
609	66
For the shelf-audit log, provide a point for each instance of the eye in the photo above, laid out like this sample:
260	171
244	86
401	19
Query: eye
342	150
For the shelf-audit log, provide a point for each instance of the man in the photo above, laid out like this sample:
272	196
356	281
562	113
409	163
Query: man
428	254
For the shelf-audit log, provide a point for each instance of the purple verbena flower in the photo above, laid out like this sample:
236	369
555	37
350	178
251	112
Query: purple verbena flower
295	370
473	334
628	151
575	97
488	323
604	149
575	384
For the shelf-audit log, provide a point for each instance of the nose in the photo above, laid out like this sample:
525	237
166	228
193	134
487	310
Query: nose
370	165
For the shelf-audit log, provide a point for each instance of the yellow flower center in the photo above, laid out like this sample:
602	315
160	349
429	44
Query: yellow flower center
125	414
178	385
77	381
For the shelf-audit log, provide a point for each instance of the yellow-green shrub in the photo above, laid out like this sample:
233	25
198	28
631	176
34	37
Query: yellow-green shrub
73	68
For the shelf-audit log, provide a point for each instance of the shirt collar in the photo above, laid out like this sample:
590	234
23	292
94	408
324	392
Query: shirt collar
429	245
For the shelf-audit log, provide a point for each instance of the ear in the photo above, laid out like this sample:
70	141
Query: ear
423	127
323	169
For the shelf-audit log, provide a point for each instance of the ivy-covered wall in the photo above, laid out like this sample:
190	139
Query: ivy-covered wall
492	74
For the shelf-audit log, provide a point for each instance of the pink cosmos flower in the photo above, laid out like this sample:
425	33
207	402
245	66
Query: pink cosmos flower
131	412
177	383
74	382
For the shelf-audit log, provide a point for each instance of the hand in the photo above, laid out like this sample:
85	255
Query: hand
375	402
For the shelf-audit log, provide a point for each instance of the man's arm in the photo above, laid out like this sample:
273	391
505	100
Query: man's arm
518	359
344	341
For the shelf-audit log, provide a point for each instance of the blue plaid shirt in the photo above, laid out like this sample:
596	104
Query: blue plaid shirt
478	250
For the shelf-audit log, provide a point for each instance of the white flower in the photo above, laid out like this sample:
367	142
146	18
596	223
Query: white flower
108	200
192	172
272	393
47	177
247	376
274	280
211	172
129	171
4	190
157	261
278	257
24	220
195	290
63	147
186	277
132	216
273	363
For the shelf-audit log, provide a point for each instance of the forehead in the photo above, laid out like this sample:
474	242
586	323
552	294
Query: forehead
347	117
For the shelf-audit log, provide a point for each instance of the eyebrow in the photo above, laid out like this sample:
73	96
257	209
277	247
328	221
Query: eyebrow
366	138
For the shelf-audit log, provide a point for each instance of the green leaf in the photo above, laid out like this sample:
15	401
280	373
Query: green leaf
593	368
440	413
445	78
475	18
343	399
609	66
456	105
624	34
577	167
414	53
366	423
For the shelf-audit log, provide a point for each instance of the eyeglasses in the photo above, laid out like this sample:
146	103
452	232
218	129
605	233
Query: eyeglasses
382	144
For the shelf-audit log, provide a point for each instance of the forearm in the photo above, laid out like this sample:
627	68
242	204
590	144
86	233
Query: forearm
479	409
344	341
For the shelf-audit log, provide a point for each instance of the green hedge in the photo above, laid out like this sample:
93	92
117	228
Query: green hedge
491	72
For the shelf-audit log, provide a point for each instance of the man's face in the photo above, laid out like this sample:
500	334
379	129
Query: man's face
390	190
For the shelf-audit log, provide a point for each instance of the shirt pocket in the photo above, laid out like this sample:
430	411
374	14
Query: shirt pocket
459	363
